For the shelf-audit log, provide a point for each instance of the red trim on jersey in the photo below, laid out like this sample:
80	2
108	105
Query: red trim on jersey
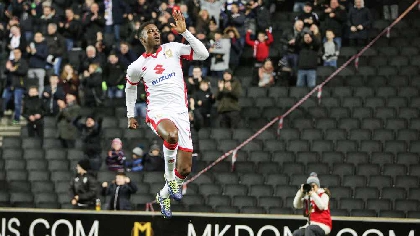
188	57
177	174
134	84
154	55
185	149
170	146
147	92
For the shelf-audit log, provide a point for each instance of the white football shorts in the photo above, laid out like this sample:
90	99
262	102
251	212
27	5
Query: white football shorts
181	121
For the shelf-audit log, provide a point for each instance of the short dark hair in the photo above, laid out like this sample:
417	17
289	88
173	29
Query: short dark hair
121	173
33	87
54	75
142	26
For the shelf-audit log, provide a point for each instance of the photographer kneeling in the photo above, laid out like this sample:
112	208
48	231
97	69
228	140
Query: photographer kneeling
315	201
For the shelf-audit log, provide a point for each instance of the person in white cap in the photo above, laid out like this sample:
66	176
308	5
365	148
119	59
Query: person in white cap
316	201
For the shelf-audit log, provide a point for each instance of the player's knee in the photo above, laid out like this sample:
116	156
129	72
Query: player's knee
173	136
185	170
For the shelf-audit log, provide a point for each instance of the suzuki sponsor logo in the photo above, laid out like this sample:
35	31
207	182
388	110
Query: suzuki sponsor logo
163	78
244	230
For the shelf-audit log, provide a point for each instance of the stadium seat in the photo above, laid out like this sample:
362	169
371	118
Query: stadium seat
367	169
380	181
275	179
351	204
357	158
366	193
382	158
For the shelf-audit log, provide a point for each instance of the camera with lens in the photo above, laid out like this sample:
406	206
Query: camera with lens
306	188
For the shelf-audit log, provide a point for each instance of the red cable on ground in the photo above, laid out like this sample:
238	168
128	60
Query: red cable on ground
221	158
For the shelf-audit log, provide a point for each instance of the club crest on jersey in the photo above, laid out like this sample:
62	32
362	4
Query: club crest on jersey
168	53
163	78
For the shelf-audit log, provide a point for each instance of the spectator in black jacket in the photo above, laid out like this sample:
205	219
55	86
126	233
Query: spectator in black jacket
92	84
52	93
90	134
308	61
359	21
38	52
91	57
236	47
33	111
290	41
56	47
114	73
335	17
71	29
153	160
47	17
120	191
116	13
202	103
193	83
237	20
16	71
125	55
93	22
308	16
298	6
230	90
83	187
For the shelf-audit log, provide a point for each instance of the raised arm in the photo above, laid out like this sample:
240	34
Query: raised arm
133	79
196	50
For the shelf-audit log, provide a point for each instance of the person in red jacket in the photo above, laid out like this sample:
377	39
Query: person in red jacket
261	45
316	202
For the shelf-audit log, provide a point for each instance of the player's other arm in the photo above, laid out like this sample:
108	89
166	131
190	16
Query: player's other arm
133	78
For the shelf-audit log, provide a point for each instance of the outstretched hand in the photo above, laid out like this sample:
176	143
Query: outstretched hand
180	26
132	123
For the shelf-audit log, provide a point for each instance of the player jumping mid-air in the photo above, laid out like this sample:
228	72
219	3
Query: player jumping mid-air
167	104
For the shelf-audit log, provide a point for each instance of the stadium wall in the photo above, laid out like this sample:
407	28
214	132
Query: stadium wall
33	222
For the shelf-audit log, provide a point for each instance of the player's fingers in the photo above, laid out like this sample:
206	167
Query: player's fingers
172	25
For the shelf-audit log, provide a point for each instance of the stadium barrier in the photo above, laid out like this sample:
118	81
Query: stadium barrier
36	222
318	89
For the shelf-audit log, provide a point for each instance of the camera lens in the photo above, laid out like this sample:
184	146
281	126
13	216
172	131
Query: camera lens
306	188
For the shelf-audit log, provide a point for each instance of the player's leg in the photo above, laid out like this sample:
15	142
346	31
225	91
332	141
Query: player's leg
169	133
183	166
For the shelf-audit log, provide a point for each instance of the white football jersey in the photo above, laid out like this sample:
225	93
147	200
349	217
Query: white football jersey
163	77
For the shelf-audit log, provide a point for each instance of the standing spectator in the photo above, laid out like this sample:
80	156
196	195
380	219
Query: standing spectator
213	8
261	46
16	40
83	187
203	21
38	53
92	85
290	41
298	6
33	112
90	57
27	18
237	20
193	82
250	14
153	160
188	19
213	29
315	32
390	9
220	53
141	102
228	95
308	16
114	76
90	134
16	72
331	50
142	10
93	22
71	29
359	21
236	47
52	93
116	12
120	191
47	17
308	61
116	157
203	101
126	56
335	17
56	47
67	133
263	16
69	80
266	74
136	164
